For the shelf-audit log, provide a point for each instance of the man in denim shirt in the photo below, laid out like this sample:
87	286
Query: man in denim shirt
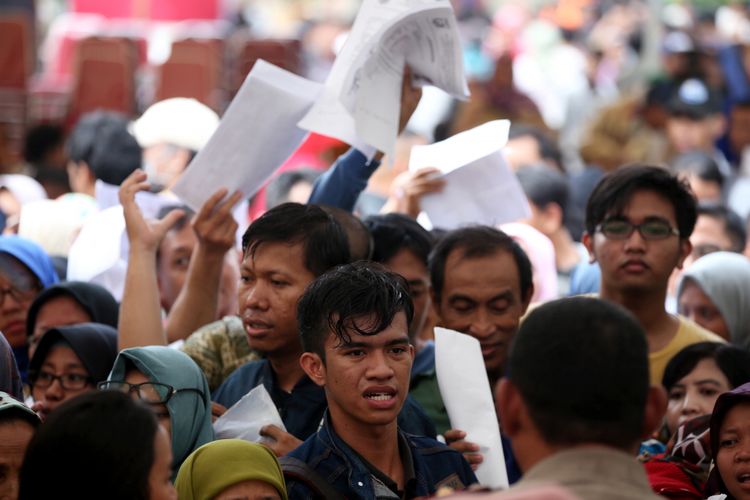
354	324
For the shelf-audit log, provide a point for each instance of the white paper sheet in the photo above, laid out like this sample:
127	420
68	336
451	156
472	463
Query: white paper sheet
247	416
256	135
466	392
361	100
480	187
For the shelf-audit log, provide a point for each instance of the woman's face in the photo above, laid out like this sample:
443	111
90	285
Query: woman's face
137	377
696	305
58	311
49	392
695	393
160	477
733	455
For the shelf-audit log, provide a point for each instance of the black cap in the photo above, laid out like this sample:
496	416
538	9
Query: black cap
695	100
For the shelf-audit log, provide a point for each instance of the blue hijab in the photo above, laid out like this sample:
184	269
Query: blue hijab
40	264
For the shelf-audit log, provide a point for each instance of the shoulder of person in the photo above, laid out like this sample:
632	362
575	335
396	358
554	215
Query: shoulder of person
697	332
242	380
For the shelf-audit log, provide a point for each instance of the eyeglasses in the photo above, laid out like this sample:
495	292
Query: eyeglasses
619	229
20	294
68	381
149	392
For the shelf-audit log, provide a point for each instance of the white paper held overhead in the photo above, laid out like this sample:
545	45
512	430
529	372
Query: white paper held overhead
361	100
466	393
257	133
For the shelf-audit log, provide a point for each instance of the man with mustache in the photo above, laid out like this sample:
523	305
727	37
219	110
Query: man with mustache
638	223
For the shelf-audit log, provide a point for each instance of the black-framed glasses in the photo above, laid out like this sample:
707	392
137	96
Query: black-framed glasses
148	392
68	381
19	294
620	229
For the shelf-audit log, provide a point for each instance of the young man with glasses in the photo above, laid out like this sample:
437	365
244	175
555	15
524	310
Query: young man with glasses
638	224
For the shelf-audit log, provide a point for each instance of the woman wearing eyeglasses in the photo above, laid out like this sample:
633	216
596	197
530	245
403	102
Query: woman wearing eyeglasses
68	361
173	385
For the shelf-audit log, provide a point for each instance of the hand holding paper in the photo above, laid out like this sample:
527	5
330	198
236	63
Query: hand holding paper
480	186
247	416
466	393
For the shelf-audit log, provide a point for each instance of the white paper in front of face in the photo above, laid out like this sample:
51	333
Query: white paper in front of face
361	100
246	417
467	396
480	187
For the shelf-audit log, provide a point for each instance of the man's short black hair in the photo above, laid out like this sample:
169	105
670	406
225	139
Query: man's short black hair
615	190
544	185
101	139
733	225
392	233
475	242
337	302
278	189
323	239
548	148
700	164
581	367
357	233
40	141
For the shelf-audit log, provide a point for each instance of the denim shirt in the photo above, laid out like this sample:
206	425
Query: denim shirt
428	466
302	410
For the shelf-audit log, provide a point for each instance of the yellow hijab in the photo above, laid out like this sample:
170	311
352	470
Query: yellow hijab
216	466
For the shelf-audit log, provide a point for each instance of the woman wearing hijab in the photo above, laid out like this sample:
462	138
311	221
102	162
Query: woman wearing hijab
68	361
231	468
715	293
68	303
730	442
175	388
10	379
24	270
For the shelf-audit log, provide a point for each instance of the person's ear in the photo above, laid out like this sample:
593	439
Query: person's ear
588	242
509	407
653	413
314	367
685	248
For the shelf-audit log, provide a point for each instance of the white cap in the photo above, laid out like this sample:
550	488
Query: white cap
180	121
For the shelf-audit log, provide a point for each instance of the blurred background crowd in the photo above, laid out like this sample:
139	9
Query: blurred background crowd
588	86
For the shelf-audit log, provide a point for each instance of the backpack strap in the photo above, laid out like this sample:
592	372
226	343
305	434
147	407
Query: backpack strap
298	470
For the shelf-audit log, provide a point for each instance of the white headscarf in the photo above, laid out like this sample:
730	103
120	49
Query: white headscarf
725	278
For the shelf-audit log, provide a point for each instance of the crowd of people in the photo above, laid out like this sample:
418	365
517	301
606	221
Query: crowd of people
612	321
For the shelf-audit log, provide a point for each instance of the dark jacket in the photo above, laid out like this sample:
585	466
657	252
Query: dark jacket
428	465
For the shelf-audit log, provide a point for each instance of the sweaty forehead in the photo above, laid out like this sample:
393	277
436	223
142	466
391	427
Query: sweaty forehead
480	276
